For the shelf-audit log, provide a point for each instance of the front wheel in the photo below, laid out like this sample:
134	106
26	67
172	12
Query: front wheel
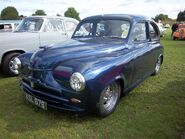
8	67
109	99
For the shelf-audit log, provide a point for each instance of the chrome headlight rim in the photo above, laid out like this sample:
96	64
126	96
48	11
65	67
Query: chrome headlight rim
77	86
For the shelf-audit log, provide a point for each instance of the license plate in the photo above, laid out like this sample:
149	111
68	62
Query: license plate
38	102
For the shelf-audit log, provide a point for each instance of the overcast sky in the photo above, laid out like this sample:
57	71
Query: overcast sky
93	7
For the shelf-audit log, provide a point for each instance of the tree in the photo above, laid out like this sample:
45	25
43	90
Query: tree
21	17
161	17
39	12
71	12
181	16
9	13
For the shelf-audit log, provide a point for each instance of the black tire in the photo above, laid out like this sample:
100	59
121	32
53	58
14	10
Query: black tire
105	107
157	66
6	63
174	38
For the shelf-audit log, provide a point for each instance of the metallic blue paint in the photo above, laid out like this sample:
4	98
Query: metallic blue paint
100	60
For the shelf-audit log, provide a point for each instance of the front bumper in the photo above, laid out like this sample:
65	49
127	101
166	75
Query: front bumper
54	98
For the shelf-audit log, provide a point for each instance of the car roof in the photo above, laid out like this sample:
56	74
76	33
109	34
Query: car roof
59	17
119	16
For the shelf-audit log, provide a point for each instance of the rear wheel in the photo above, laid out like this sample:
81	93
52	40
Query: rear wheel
8	67
157	66
109	99
174	38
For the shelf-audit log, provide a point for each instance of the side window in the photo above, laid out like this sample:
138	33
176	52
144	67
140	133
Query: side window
49	27
153	31
139	32
70	26
54	25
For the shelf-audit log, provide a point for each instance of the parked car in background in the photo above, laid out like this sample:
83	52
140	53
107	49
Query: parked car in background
8	27
167	26
180	32
107	57
162	30
33	32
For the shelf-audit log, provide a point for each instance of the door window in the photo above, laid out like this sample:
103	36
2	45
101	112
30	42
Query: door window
139	32
54	25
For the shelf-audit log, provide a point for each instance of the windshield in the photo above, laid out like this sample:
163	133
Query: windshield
103	28
30	25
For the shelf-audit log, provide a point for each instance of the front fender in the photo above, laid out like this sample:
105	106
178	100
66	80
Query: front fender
25	62
97	85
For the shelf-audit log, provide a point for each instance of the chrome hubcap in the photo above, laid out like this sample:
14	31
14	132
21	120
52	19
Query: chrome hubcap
110	96
158	65
12	66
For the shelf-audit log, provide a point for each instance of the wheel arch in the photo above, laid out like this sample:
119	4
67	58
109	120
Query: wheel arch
161	55
122	84
121	80
11	51
104	111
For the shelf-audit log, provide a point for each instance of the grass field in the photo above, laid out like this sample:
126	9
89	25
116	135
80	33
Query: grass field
154	110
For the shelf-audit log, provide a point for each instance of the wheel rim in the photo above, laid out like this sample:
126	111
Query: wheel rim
158	65
12	65
110	97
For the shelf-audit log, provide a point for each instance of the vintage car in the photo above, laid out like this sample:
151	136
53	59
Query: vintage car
33	32
180	32
107	57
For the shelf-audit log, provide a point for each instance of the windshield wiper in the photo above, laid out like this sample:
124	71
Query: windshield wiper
112	37
19	30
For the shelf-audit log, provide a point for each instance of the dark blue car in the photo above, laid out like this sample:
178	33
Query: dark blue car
107	57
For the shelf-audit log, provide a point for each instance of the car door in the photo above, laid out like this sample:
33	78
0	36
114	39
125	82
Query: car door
140	42
53	32
154	45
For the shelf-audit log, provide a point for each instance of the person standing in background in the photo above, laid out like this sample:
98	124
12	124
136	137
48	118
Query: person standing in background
174	28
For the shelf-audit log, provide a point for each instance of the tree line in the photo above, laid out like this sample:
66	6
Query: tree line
164	18
11	13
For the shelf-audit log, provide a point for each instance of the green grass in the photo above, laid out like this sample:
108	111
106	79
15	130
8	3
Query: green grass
155	109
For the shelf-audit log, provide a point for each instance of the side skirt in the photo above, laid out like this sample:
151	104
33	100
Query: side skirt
134	85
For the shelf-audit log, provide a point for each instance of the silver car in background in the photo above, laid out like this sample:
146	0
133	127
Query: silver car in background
31	33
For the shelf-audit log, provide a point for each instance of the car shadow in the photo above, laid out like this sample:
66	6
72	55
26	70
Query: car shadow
1	74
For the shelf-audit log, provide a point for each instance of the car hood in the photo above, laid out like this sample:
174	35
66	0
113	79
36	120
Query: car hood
50	56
